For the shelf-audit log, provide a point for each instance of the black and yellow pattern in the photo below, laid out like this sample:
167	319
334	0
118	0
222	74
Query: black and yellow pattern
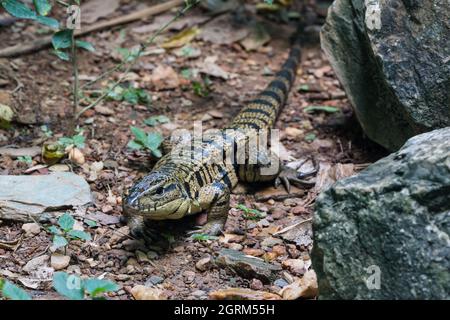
184	183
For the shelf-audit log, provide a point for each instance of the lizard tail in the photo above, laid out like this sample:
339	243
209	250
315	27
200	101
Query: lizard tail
262	112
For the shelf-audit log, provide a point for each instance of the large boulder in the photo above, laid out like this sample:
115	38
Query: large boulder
385	233
393	60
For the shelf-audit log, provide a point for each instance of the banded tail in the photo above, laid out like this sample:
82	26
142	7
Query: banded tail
262	112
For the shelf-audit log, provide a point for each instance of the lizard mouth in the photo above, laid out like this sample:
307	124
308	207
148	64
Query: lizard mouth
174	209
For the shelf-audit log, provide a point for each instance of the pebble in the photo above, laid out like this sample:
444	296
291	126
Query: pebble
280	250
270	242
235	246
296	266
204	264
154	280
256	284
198	293
299	210
141	256
59	262
31	229
188	276
253	252
278	213
280	283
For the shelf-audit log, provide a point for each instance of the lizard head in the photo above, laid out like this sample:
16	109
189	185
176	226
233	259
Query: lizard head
157	196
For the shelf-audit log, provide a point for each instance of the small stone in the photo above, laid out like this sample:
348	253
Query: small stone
188	276
178	249
293	132
253	252
152	255
154	280
305	287
59	262
141	292
31	229
299	210
296	266
242	294
107	208
198	293
270	242
256	284
204	264
278	213
281	283
235	246
279	250
141	256
119	235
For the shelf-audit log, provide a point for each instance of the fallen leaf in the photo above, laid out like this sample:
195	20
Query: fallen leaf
181	39
223	30
95	9
256	38
165	77
210	67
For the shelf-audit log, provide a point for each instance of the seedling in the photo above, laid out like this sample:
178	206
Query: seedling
155	120
151	141
12	292
203	237
251	214
25	159
75	288
65	232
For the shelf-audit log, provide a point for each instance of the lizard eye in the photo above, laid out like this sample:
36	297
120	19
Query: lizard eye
159	191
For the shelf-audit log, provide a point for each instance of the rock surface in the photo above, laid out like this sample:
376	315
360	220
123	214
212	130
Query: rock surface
385	233
247	266
35	196
392	57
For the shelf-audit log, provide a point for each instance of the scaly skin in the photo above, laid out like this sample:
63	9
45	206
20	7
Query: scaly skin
182	184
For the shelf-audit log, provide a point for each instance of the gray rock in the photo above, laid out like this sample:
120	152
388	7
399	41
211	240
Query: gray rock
392	57
394	217
281	283
36	196
246	266
153	280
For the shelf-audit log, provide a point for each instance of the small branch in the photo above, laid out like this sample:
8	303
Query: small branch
75	85
134	59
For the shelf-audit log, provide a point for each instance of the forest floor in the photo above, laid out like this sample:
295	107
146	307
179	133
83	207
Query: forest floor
331	138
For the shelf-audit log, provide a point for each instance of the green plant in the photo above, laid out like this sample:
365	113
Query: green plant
12	292
75	288
25	159
201	89
203	237
142	140
46	131
131	95
310	137
155	120
251	214
77	141
65	231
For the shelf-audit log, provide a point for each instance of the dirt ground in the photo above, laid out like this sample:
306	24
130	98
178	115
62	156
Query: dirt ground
332	139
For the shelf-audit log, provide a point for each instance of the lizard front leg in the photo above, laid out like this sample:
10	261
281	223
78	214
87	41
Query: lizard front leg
215	200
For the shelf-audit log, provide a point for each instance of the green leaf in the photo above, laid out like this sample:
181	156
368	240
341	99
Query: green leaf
154	140
203	237
13	292
153	121
66	222
131	96
18	9
61	54
140	135
70	286
59	241
133	144
43	7
310	137
26	159
78	140
328	109
62	39
55	230
97	286
85	45
78	234
49	22
90	223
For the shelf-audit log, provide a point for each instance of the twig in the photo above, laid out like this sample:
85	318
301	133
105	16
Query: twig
292	226
75	85
130	63
45	42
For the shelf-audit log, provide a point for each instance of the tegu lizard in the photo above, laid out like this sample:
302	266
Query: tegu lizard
200	180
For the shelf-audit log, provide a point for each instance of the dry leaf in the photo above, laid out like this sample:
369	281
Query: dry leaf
181	39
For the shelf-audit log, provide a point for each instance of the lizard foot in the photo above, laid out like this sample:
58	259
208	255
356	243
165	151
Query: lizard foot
289	176
210	229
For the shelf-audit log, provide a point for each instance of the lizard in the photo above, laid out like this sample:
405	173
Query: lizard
182	184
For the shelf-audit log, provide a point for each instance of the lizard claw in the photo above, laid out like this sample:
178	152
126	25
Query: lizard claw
288	177
210	229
